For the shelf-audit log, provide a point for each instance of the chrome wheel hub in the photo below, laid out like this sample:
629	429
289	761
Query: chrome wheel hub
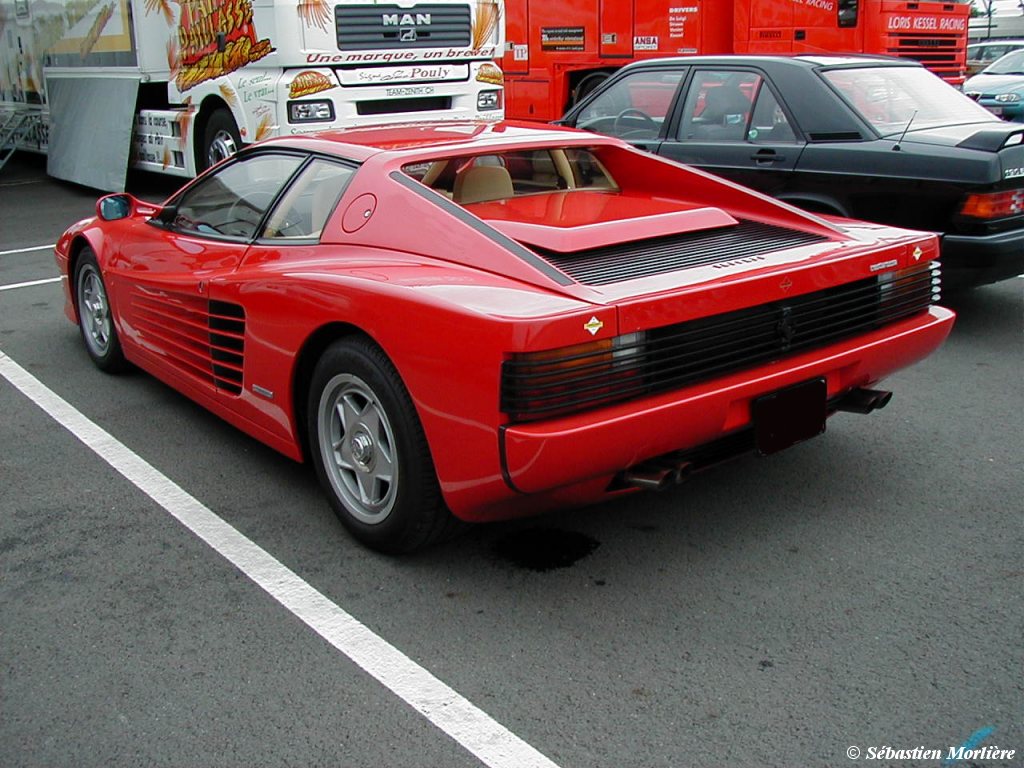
362	450
221	147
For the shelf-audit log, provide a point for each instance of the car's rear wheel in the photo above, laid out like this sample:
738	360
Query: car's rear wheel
370	452
94	316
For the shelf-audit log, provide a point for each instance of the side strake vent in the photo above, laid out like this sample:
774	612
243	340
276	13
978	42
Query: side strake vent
204	339
629	261
227	345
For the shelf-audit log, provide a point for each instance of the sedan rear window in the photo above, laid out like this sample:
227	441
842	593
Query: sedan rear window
891	98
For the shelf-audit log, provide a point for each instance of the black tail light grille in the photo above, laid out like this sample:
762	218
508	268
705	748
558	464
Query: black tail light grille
629	261
560	382
373	27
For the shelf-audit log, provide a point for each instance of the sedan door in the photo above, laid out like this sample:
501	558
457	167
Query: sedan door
634	107
731	122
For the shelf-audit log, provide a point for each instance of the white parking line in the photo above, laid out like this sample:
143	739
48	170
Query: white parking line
475	730
49	247
29	284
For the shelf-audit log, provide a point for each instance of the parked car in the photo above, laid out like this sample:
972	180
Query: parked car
1000	87
868	138
484	320
981	54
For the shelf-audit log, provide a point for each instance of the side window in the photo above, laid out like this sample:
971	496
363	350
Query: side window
995	51
635	107
232	202
847	13
308	203
769	124
718	106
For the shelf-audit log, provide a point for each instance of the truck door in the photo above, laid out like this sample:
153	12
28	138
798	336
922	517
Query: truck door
516	60
732	123
770	26
615	29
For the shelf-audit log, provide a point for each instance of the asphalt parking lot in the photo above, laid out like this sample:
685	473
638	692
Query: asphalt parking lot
858	592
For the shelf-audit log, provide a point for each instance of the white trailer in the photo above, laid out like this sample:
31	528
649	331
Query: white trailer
172	86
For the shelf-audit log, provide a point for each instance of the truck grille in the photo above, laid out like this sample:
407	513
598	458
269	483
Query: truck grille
941	54
375	27
560	382
629	261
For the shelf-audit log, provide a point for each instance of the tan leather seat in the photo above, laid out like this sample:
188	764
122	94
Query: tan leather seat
480	183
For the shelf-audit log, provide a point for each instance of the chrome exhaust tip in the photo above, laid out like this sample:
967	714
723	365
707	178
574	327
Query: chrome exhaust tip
863	401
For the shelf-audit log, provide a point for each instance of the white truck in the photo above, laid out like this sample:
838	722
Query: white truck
175	85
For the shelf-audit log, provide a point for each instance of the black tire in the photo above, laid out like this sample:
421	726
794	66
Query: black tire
221	140
587	86
369	450
95	319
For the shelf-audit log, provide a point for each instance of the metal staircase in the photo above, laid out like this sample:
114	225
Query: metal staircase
15	128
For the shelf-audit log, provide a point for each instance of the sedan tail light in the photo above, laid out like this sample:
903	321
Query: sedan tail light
993	205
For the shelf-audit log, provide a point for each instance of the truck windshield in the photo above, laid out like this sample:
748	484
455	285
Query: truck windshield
890	97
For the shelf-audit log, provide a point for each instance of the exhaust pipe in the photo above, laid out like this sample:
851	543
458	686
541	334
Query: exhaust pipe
864	401
656	476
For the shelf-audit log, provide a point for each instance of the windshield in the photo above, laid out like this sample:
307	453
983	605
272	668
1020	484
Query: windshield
890	97
1010	64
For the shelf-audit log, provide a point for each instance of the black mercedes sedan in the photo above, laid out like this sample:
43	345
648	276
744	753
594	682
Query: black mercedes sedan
870	138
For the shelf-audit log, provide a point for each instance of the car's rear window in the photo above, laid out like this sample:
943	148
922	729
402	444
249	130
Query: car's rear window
891	98
483	178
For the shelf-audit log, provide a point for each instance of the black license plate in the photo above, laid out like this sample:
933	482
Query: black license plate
789	416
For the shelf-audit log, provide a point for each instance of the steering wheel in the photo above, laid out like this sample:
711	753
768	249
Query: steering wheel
648	123
246	211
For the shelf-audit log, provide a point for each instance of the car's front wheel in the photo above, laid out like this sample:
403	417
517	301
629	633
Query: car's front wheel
94	315
370	452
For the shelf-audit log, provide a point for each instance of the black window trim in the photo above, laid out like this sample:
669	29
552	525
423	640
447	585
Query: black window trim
161	221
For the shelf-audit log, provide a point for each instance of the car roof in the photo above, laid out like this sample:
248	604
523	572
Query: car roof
804	61
1004	41
364	142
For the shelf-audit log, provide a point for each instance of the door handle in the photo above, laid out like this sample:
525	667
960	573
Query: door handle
767	156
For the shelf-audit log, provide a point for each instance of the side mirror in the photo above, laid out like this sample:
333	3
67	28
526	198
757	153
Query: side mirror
114	207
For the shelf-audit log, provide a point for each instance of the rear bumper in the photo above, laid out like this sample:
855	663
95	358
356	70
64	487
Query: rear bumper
538	458
973	261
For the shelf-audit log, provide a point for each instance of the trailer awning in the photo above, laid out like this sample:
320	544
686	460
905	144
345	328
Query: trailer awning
91	121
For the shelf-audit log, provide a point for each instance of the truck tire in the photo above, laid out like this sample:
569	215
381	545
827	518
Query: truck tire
587	86
220	140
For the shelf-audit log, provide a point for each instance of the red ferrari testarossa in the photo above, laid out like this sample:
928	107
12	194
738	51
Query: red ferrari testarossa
478	321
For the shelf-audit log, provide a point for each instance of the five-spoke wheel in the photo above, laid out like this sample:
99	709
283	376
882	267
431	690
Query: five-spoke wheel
370	451
94	315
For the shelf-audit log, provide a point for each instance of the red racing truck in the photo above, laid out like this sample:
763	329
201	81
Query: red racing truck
559	50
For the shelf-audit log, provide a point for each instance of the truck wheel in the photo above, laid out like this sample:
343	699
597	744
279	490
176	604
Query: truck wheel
369	450
587	86
94	316
220	140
